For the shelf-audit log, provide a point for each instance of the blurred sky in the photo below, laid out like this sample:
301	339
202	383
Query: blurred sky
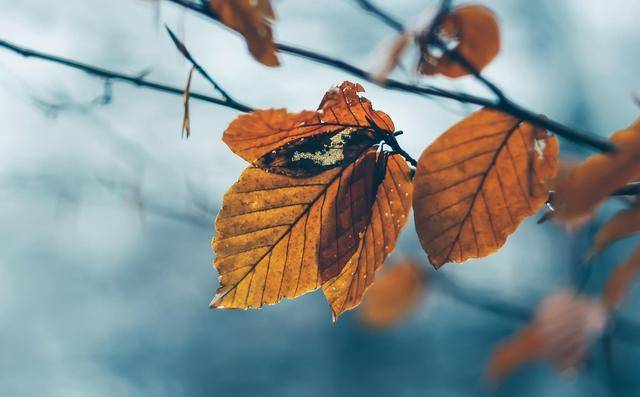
105	259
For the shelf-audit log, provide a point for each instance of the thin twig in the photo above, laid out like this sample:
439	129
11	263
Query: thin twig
185	52
508	107
115	76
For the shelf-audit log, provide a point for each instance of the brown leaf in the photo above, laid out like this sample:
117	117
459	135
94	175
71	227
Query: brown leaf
512	354
623	224
620	281
303	144
472	31
395	294
269	228
252	19
392	57
477	182
348	216
390	213
186	120
591	182
564	328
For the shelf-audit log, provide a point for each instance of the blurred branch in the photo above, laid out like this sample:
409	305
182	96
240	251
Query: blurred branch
505	106
130	191
139	81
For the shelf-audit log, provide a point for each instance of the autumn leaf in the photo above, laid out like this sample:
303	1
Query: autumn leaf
564	328
623	224
391	57
396	292
252	19
347	217
620	281
270	226
472	31
592	181
477	182
186	119
303	144
390	213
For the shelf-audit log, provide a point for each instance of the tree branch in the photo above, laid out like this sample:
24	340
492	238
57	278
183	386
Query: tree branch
185	52
509	107
115	76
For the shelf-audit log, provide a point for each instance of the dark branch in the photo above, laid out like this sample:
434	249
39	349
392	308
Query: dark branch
115	76
509	107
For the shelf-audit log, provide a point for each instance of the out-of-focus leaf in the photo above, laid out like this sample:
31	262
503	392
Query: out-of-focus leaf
565	326
620	281
252	19
392	56
591	182
395	294
623	224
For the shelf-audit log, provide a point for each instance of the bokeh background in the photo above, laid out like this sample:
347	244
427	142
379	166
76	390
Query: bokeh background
106	213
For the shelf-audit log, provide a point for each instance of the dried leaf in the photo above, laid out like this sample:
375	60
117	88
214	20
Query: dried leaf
512	354
303	144
392	57
623	224
395	294
252	19
268	233
186	121
591	182
477	182
346	219
564	329
620	281
472	31
390	213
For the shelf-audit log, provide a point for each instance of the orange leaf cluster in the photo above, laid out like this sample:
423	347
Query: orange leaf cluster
252	19
477	182
395	294
319	207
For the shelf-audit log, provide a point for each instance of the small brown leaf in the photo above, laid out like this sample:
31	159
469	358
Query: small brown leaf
620	281
396	293
186	121
472	31
564	329
392	57
623	224
512	354
390	213
303	144
252	19
592	181
477	182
